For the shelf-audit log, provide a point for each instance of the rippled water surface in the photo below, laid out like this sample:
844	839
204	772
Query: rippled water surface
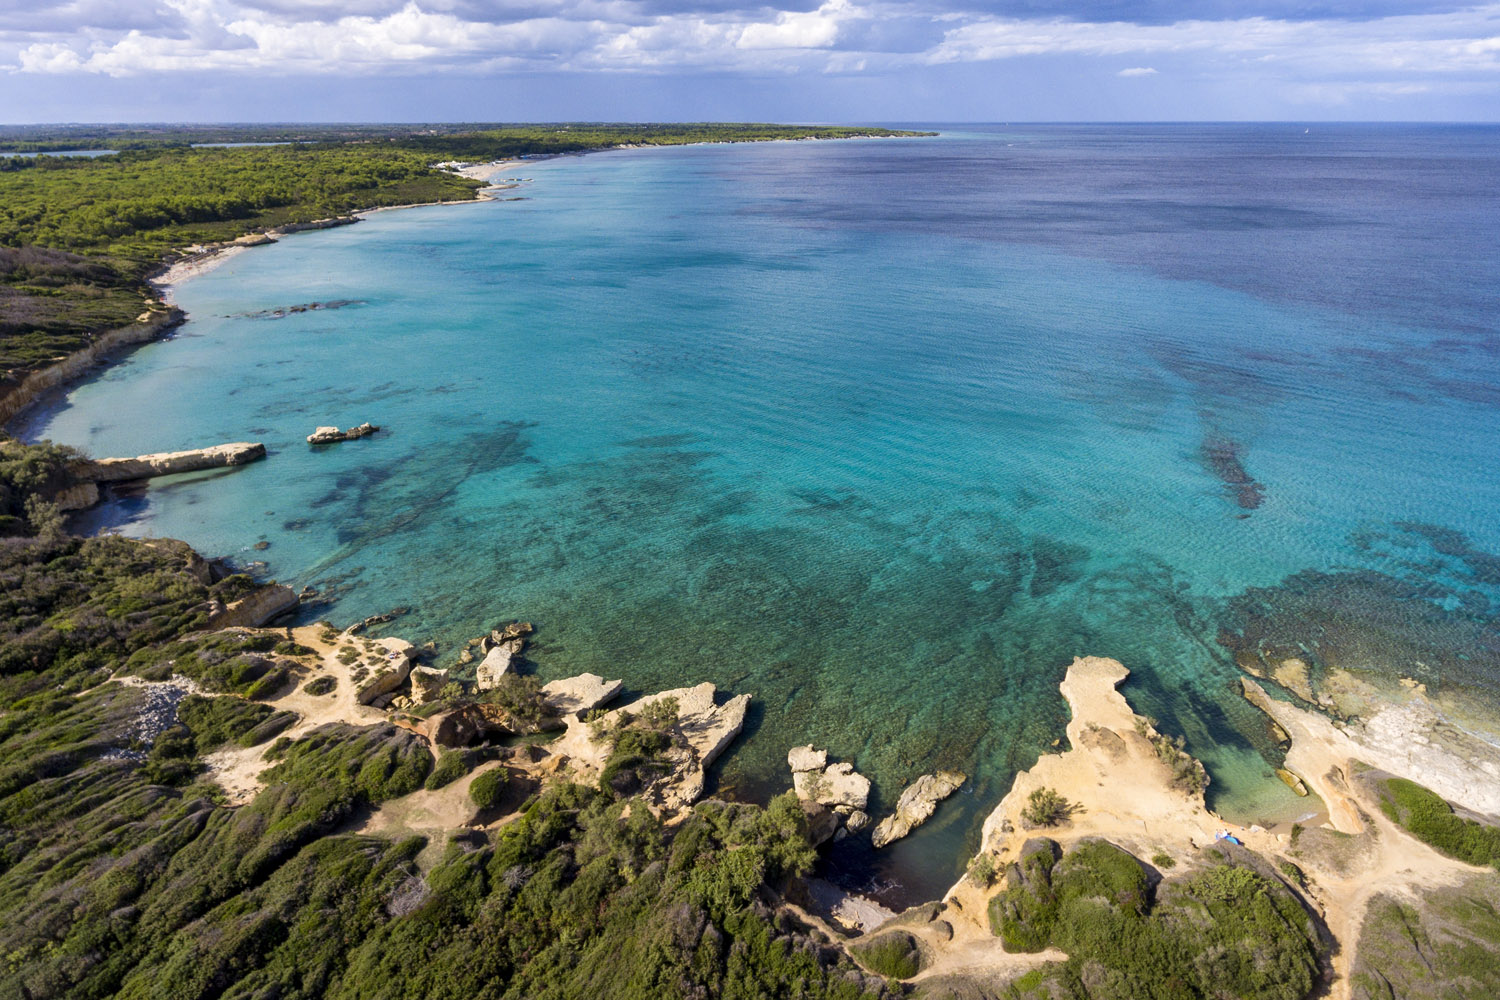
884	432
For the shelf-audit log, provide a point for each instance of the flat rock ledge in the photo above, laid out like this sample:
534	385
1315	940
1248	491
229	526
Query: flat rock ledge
168	463
917	803
833	796
575	696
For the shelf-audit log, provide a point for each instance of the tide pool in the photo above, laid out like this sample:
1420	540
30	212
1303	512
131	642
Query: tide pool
882	432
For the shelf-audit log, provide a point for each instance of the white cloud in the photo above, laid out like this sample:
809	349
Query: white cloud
1324	61
812	30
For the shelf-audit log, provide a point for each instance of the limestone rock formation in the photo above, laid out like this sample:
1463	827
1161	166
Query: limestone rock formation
254	609
835	786
329	435
707	729
168	463
574	696
701	732
392	674
427	684
79	496
806	759
835	789
495	665
917	803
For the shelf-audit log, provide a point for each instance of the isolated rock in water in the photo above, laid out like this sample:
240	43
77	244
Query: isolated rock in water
391	674
806	759
328	435
856	821
836	785
515	630
495	665
168	463
573	696
916	804
427	684
254	609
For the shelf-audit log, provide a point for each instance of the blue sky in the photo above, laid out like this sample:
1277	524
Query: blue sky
788	60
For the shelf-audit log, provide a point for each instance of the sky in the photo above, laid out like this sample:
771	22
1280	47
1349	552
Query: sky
735	60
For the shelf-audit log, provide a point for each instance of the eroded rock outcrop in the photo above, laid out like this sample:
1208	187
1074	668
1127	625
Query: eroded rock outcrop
497	662
255	609
702	730
168	463
396	655
829	790
916	805
427	684
330	435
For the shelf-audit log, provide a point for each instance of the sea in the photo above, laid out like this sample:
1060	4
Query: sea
883	432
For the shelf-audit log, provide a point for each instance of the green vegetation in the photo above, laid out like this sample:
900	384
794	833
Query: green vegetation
321	685
30	476
487	790
1163	860
1427	817
451	765
1045	807
982	870
895	954
1443	945
232	662
217	721
1225	931
521	697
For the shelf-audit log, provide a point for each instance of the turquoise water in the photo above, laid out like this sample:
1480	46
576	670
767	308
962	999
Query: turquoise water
882	432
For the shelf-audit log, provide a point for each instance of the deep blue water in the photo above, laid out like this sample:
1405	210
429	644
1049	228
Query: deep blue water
886	431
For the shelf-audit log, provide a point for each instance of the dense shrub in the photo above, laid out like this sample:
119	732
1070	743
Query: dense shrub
1431	820
451	765
894	953
1225	931
487	790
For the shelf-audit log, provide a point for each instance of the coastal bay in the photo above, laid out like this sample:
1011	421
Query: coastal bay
703	457
620	428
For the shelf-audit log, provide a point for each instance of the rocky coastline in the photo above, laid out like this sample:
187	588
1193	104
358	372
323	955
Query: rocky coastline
1118	783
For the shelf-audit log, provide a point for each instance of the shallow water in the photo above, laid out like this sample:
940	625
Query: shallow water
883	432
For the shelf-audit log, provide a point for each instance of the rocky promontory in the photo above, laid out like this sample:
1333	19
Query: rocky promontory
168	463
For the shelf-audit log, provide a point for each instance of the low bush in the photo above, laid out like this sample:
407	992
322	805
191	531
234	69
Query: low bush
451	765
1045	807
321	685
